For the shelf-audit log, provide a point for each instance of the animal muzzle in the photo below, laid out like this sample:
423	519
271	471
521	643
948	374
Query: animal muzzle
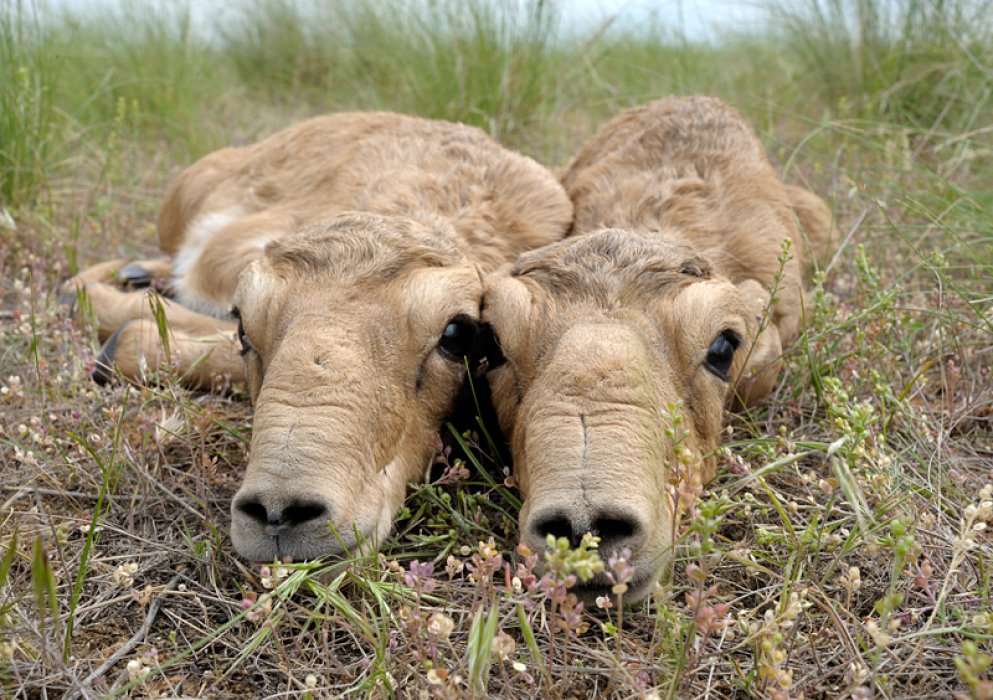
591	453
268	526
606	477
624	527
616	524
306	496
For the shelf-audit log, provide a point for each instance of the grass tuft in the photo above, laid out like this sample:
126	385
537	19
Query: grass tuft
479	62
915	62
28	118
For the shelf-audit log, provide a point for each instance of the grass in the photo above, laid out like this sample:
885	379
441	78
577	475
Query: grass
27	115
473	62
844	547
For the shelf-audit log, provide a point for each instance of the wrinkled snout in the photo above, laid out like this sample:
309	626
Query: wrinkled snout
315	484
620	526
313	509
624	508
592	455
616	525
310	509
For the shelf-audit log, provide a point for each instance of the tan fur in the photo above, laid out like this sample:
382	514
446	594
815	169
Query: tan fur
692	169
676	241
498	203
348	243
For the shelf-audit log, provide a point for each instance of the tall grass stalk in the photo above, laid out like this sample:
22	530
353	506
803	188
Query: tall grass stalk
147	57
110	471
485	63
924	63
28	118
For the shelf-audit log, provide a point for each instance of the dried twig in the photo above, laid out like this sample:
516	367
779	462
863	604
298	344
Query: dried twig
136	639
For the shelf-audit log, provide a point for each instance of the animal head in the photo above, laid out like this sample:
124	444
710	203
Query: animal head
619	353
355	333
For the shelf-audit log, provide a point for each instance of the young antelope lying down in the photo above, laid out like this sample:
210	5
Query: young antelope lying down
654	306
354	327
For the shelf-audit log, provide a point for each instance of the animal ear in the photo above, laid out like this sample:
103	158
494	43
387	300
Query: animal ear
817	235
258	295
486	354
761	371
764	357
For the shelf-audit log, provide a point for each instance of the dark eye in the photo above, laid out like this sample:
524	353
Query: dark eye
242	338
721	353
457	339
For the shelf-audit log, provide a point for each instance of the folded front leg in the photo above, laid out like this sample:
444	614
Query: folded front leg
113	307
128	274
203	360
112	290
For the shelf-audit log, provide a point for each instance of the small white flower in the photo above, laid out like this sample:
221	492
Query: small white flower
963	543
503	646
437	676
137	669
123	575
270	579
440	625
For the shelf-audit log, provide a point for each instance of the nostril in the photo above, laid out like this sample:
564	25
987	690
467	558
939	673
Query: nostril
299	513
254	510
276	520
614	529
556	524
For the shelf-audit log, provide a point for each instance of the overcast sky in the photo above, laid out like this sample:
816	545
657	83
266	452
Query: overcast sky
696	19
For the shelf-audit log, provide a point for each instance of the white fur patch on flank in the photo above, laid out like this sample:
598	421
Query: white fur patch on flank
197	237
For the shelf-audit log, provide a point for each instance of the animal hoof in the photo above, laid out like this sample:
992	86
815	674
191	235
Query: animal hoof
134	276
69	299
103	372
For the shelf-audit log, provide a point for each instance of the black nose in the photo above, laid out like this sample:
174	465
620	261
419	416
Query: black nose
276	520
615	529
